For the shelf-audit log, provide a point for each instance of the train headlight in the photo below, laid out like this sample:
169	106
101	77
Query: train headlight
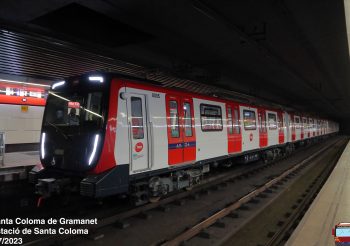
43	136
96	78
55	85
93	153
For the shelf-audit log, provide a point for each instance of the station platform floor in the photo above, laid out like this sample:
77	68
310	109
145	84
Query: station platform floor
17	165
330	207
20	159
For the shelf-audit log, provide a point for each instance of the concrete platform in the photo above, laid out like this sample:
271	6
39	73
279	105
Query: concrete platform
331	206
17	165
19	159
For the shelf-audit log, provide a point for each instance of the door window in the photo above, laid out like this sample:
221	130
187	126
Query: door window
136	118
272	121
174	119
236	125
187	119
229	120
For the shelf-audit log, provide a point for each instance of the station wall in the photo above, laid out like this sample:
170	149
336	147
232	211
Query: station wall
20	123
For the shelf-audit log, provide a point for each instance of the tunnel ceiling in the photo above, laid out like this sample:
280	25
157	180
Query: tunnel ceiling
290	51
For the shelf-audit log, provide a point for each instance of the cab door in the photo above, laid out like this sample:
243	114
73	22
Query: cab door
137	120
233	129
262	127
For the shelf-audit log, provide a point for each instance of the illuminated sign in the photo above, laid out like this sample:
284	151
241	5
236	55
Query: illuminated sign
22	94
73	105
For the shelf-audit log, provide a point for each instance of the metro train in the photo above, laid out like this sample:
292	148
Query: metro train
105	134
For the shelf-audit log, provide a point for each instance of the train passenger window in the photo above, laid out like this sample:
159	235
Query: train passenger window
236	125
136	118
187	120
229	120
174	119
272	121
211	118
249	120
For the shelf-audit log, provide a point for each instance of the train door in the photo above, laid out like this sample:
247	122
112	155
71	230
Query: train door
272	129
137	120
262	128
280	128
181	131
233	129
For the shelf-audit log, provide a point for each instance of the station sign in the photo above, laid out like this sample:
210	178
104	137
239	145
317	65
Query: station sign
22	94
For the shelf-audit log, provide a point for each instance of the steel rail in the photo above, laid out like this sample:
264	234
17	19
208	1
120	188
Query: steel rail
102	222
113	219
277	238
190	233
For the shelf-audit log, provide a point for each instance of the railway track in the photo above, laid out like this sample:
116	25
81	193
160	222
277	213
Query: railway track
214	185
266	188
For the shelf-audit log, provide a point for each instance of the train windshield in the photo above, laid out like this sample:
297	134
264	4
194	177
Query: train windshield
73	125
74	110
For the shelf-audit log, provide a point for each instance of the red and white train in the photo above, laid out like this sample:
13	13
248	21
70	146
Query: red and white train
111	134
